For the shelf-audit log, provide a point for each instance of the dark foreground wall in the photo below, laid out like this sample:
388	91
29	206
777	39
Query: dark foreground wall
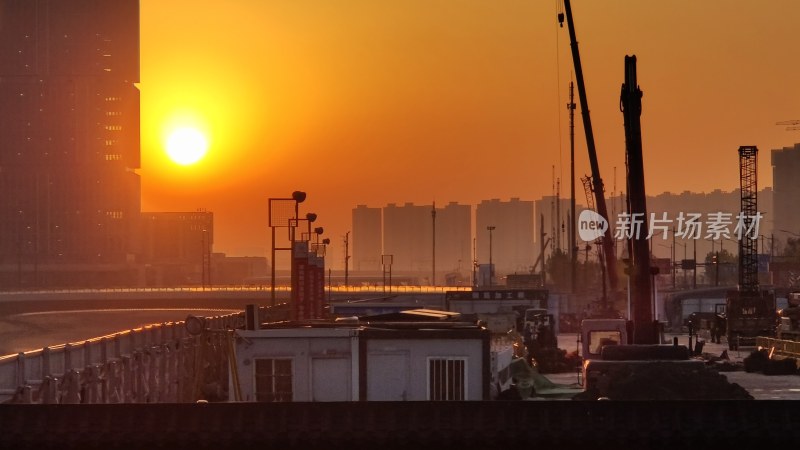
546	424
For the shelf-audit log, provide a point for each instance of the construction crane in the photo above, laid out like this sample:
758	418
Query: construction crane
597	182
792	125
587	187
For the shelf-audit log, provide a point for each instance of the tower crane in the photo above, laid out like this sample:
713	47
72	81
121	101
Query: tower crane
792	125
750	310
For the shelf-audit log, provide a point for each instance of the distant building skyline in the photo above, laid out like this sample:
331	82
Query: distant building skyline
367	238
69	137
516	238
786	179
512	237
405	232
70	196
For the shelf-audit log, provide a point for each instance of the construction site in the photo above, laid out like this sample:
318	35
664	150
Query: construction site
484	366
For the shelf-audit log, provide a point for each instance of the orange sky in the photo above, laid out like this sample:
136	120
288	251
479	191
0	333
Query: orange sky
371	102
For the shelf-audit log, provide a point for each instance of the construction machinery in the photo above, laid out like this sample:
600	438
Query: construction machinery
597	181
625	359
539	329
750	311
644	327
789	326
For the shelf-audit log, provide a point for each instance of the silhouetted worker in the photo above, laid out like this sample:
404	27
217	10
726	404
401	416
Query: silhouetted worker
544	336
718	328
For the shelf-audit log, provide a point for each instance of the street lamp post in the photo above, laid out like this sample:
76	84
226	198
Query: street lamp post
491	265
715	258
474	263
347	259
203	263
325	243
674	269
694	271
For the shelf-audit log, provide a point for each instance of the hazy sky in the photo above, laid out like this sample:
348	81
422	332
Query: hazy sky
372	102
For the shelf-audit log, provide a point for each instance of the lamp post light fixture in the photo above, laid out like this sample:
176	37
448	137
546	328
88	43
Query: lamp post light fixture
490	228
305	236
318	248
317	232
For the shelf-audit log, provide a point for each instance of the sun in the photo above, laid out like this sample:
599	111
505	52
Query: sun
186	146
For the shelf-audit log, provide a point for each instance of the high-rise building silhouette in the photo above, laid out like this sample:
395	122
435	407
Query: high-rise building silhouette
512	236
69	138
367	247
786	185
407	233
453	242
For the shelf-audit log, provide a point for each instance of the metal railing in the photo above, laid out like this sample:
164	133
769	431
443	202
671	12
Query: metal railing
239	288
779	346
154	363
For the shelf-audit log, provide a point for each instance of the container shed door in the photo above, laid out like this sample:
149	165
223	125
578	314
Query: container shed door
330	378
387	377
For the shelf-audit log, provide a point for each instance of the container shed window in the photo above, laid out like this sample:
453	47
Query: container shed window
447	378
273	380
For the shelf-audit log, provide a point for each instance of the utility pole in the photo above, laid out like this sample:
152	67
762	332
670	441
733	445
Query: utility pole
559	223
573	247
694	271
491	265
771	246
433	219
674	269
474	263
542	234
346	259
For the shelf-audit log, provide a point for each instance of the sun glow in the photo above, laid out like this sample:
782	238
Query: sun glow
186	146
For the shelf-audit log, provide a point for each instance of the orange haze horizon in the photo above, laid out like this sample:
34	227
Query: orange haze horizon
364	102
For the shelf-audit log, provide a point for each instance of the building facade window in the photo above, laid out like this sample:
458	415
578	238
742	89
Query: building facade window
447	378
273	380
